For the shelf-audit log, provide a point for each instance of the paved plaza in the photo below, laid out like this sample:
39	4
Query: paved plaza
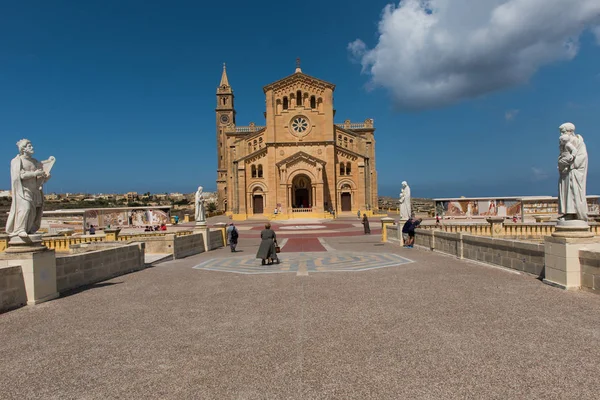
342	316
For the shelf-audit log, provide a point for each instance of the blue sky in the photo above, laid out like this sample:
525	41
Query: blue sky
122	93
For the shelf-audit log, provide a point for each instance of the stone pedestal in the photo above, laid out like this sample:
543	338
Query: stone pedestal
112	235
201	227
39	273
384	223
223	227
496	225
573	229
401	223
561	253
29	244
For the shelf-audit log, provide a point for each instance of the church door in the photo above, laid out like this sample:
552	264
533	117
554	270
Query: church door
346	202
257	207
302	198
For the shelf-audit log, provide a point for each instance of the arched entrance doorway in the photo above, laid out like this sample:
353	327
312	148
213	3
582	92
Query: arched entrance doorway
258	203
346	197
302	192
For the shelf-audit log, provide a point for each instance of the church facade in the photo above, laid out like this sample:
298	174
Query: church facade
300	163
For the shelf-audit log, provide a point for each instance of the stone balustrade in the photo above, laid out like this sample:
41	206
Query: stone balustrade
250	128
516	230
356	125
302	210
64	243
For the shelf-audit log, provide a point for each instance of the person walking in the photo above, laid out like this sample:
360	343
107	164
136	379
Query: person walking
358	214
232	237
365	223
266	250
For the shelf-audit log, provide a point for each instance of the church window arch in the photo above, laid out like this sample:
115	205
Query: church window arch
224	100
348	168
249	147
342	169
253	169
313	102
351	144
260	171
260	142
320	104
299	98
254	143
285	103
339	140
346	142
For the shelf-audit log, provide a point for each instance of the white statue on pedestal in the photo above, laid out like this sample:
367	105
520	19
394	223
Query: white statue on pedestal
572	168
405	208
27	176
200	209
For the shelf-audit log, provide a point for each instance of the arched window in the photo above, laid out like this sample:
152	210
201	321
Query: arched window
340	140
260	171
298	98
285	103
313	102
260	142
249	147
253	171
254	144
342	169
346	142
224	100
348	169
351	144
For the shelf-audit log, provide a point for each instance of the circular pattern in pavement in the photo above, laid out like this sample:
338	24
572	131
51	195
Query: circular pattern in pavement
332	261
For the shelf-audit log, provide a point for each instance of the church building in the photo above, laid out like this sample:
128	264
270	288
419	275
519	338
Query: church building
300	163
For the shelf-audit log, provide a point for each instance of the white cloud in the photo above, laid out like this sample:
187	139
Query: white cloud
538	174
510	115
432	53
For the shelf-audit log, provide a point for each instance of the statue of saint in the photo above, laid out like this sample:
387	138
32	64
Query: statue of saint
572	169
200	210
405	208
27	177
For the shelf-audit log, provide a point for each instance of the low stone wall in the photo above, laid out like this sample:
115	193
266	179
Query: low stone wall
215	239
590	270
393	234
185	246
77	270
514	254
521	256
12	288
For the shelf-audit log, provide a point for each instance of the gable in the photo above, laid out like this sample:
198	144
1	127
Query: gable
299	81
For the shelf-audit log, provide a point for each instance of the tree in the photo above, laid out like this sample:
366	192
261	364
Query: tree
211	207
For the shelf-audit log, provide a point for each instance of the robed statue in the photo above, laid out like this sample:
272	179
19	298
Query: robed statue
572	169
405	208
27	177
200	208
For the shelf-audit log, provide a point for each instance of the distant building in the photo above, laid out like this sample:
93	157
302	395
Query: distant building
300	161
5	193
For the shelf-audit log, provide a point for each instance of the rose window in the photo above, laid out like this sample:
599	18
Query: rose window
300	125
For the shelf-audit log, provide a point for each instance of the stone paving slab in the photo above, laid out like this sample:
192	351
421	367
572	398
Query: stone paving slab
436	328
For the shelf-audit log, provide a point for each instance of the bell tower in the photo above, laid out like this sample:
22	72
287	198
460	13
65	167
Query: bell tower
225	114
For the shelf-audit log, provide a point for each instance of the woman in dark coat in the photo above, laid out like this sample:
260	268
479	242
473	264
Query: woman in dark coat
266	251
365	223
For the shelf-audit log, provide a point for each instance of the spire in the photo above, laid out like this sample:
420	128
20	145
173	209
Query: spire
298	65
224	80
